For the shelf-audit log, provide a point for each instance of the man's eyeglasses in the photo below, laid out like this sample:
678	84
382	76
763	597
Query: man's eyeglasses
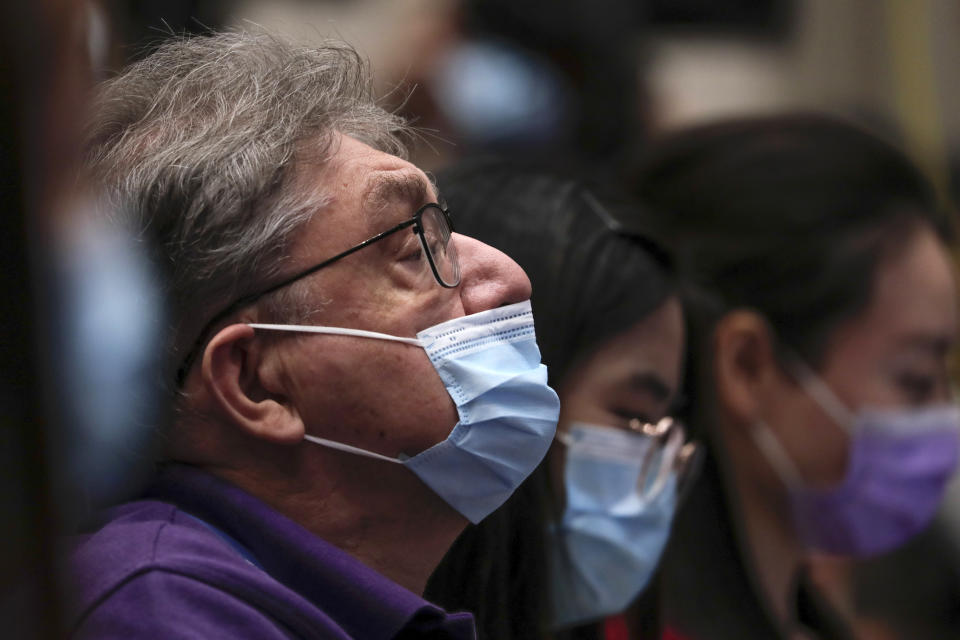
432	225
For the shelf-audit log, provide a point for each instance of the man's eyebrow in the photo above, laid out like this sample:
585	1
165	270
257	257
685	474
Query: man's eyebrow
387	188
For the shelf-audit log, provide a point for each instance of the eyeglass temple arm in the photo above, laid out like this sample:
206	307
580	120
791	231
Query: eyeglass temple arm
253	297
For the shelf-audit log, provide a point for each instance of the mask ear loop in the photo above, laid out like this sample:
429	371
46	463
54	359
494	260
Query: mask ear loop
817	389
351	449
824	396
820	393
337	331
776	455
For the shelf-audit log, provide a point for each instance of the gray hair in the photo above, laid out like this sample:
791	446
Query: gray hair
197	148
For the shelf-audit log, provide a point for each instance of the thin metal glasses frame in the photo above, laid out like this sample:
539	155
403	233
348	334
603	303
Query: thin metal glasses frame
415	221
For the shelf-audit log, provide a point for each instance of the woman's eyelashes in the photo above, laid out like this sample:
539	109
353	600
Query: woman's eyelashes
626	416
918	388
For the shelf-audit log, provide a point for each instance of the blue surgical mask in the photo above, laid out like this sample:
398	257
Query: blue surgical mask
621	492
490	365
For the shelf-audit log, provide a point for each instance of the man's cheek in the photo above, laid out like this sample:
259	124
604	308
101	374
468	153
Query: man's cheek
419	403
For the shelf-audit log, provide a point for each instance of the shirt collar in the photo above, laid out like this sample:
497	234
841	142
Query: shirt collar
364	602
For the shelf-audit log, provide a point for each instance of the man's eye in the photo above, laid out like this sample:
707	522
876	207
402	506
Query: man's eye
414	254
410	250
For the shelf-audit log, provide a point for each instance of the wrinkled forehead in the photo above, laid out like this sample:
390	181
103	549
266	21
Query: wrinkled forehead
372	181
358	192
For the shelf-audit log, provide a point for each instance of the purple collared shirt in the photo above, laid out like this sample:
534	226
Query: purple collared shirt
199	558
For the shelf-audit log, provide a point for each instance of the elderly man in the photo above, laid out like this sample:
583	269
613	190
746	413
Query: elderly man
319	297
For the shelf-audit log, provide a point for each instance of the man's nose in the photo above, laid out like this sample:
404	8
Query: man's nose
488	277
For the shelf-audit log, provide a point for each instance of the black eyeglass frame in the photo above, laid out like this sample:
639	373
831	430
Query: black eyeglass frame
414	221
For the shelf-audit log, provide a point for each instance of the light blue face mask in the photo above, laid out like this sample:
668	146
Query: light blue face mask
621	491
490	365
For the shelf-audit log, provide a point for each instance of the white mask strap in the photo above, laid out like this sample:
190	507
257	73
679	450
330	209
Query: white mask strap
338	331
823	395
776	455
349	449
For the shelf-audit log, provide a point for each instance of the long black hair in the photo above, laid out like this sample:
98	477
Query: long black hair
593	276
788	215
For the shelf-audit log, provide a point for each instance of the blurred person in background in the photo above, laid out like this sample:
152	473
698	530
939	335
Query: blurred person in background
83	314
569	554
823	309
556	81
350	381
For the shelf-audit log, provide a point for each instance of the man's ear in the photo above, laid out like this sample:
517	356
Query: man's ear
245	389
744	364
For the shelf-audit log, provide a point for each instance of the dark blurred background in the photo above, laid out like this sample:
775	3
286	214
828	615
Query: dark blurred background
583	82
576	83
592	79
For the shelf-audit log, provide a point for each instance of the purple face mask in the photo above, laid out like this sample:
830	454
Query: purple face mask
900	462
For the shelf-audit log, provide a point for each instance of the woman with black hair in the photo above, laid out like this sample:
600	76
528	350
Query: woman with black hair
822	304
582	537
